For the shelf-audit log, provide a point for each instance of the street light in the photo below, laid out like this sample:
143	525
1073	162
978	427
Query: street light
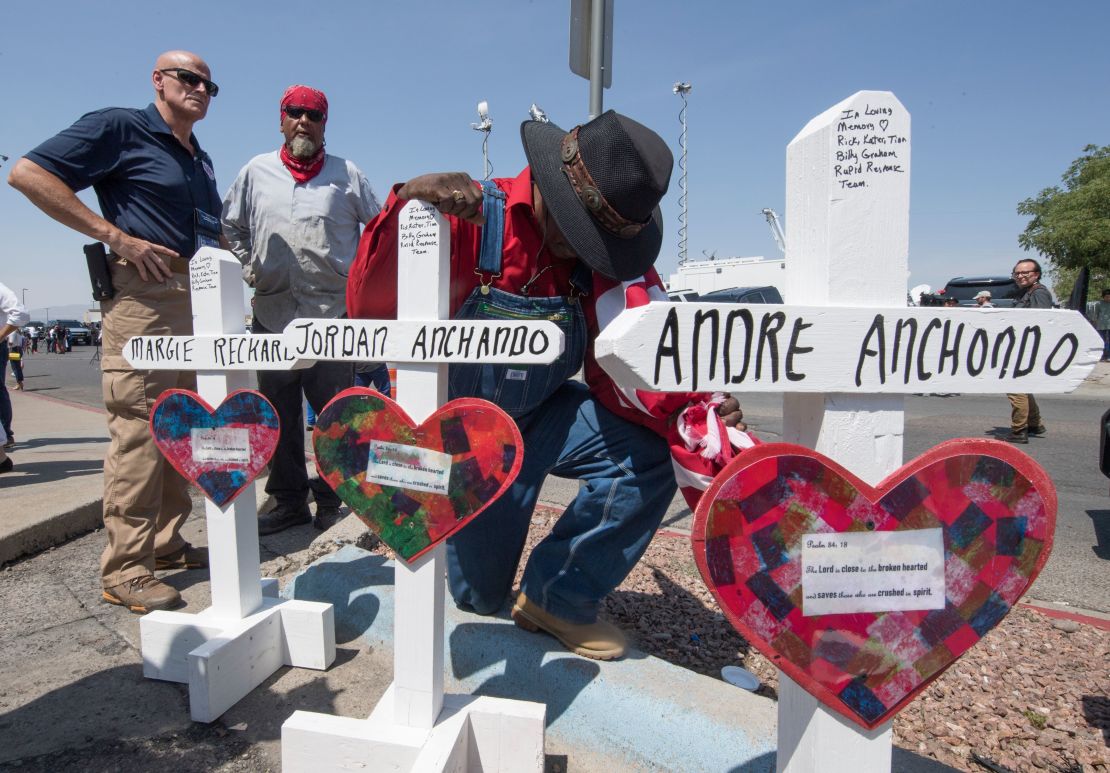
24	297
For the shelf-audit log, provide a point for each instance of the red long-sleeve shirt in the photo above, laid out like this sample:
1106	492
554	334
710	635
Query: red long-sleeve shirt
372	293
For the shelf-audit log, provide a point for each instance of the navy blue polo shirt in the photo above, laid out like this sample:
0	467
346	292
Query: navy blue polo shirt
146	182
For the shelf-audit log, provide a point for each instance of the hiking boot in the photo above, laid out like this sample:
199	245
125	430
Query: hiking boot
1017	437
1038	431
282	517
188	557
598	640
142	594
326	517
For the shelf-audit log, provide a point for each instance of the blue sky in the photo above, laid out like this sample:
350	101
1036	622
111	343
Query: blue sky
1003	95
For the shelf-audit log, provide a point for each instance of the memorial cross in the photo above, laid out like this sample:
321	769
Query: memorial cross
847	352
414	726
227	650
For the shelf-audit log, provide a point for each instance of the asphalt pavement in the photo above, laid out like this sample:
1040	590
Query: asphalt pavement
71	686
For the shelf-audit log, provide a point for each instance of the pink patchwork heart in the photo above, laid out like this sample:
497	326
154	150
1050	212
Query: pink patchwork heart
220	450
830	578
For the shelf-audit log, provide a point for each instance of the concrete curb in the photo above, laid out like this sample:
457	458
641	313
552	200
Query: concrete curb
52	530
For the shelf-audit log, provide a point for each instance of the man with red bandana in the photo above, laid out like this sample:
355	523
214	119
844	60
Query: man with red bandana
571	239
292	217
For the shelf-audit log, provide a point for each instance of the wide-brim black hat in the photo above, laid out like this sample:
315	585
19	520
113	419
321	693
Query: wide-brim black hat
602	182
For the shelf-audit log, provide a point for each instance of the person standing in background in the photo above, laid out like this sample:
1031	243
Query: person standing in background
1025	414
1099	315
15	316
16	347
293	218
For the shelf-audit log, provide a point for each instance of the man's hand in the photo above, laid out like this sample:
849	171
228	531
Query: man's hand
150	260
452	193
730	413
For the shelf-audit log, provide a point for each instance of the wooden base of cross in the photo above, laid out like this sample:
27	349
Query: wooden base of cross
227	650
415	727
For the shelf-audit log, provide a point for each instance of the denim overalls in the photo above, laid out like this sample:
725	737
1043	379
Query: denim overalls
624	469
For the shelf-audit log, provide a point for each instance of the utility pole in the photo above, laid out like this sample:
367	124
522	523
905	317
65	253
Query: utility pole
24	297
682	89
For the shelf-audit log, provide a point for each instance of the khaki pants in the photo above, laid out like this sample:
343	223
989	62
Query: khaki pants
1025	414
146	501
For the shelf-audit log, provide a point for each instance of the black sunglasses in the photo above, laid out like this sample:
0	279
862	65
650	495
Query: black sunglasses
313	115
191	79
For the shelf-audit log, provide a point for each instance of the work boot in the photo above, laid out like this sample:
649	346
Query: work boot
142	594
188	557
1017	437
326	517
1038	431
284	516
598	640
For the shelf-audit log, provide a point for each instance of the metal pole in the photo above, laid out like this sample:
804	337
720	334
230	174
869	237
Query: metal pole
682	89
597	55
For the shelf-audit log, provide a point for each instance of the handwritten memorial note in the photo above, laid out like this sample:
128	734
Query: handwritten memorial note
221	444
870	143
872	572
203	274
408	467
419	233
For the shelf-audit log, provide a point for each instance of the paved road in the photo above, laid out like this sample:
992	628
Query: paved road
1078	573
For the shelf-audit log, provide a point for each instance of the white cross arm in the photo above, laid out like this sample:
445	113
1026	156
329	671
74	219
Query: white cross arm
416	341
231	351
770	348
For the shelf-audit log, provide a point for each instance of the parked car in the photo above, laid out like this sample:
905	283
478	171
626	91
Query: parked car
765	294
1003	290
682	295
33	329
78	333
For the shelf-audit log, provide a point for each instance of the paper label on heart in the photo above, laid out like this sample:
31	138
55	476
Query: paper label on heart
872	572
220	450
993	506
415	485
408	467
221	445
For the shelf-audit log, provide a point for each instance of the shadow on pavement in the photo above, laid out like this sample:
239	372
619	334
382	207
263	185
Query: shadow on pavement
475	647
1100	520
48	472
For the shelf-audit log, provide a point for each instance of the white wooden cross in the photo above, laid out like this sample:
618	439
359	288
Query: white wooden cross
227	650
414	726
848	350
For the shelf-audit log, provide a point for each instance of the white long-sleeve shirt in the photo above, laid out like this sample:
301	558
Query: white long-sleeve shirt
297	240
15	313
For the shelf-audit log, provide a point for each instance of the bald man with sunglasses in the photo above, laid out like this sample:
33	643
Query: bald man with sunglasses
159	204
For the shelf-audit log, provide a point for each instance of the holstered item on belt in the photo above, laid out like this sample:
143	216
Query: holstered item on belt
100	276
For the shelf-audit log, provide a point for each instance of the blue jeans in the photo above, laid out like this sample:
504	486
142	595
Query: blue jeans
288	479
377	378
5	398
628	481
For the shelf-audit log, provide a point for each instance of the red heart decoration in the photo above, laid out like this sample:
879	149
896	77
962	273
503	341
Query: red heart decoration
994	507
415	485
222	450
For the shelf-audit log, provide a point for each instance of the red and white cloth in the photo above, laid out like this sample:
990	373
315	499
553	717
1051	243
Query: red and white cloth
701	445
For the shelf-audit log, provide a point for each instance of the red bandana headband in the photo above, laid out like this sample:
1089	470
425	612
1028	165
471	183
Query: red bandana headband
310	99
307	97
